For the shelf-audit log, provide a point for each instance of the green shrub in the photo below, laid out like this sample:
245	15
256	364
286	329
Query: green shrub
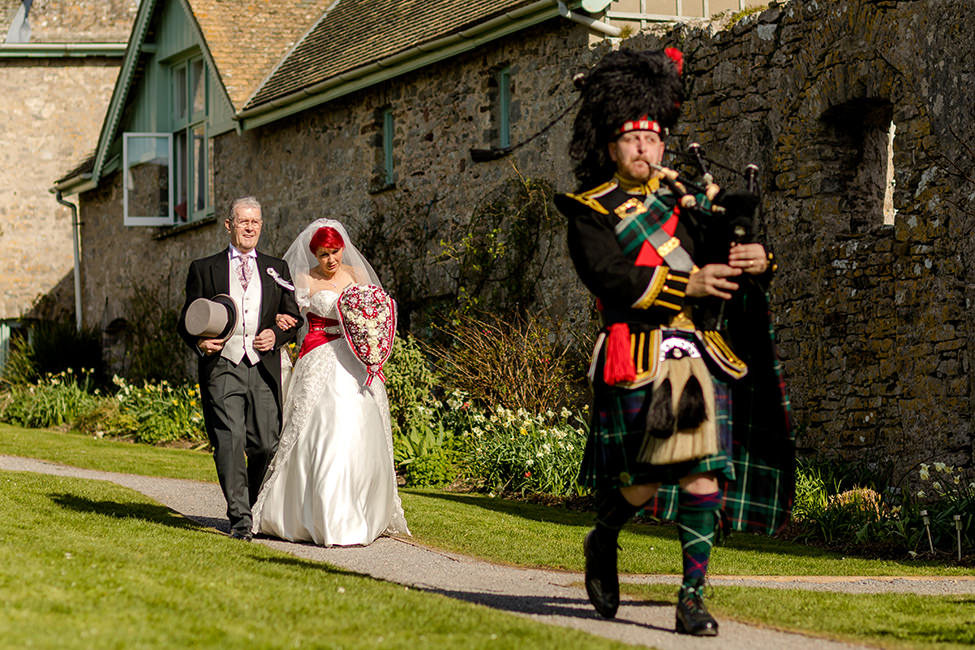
162	412
410	384
504	450
434	469
56	400
106	418
418	435
873	516
50	348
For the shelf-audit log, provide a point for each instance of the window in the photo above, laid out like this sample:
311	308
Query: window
168	180
504	107
857	149
388	133
147	189
382	128
189	113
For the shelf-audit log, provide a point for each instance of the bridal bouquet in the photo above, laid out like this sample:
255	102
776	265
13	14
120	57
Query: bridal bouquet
368	318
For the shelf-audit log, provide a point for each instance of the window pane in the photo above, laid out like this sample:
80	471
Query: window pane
146	189
179	94
200	169
182	175
504	107
198	87
388	146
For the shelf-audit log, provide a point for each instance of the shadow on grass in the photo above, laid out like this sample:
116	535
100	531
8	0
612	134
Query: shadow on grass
549	605
312	565
156	514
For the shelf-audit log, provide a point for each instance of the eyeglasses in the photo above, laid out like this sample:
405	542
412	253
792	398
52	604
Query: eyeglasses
248	223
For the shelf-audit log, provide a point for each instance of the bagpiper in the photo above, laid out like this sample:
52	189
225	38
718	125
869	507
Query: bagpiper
689	419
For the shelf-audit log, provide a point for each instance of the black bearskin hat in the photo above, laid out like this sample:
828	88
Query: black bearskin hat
625	85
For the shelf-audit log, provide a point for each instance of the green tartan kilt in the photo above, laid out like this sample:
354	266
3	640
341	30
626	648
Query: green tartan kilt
616	433
755	466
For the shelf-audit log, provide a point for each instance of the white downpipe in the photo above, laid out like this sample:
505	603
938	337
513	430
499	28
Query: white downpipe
591	23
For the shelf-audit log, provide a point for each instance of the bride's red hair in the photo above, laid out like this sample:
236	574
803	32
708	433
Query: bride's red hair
325	237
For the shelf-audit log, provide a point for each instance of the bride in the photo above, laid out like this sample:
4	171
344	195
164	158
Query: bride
331	481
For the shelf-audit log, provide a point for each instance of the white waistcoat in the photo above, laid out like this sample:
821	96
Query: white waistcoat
241	342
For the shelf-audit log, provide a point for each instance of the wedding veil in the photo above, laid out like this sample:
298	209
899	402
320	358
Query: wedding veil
301	261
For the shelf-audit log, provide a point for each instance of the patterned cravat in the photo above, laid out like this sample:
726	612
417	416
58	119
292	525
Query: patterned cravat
245	270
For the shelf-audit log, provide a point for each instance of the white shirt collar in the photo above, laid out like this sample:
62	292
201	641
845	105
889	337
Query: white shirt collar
234	253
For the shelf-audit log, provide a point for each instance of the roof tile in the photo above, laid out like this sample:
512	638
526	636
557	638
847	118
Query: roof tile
354	33
246	38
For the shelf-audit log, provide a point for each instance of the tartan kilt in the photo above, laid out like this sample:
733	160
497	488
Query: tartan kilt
756	465
616	432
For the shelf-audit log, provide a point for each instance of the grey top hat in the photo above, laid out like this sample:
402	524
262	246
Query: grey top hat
214	318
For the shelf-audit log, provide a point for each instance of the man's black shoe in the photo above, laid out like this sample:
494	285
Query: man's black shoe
243	535
692	616
602	581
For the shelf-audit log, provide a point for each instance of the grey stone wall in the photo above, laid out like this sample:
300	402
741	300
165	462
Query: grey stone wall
53	110
873	320
74	21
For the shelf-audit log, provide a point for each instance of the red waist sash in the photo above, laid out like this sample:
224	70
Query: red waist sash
317	334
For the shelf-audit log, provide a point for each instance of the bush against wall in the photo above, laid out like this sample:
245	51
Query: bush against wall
50	348
498	260
516	363
493	438
151	413
851	506
55	400
151	348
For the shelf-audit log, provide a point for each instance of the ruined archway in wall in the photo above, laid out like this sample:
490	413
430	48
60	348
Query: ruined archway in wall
861	147
874	311
835	157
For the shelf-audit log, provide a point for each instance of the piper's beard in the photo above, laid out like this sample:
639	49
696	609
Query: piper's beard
636	173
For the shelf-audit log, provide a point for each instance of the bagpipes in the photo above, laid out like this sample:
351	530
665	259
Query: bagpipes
732	216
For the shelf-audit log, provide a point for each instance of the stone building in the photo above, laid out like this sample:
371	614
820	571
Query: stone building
58	63
367	111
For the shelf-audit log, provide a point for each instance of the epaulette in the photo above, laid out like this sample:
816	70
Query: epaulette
590	198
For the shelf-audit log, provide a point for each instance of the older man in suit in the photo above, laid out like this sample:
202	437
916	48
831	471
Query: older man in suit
240	373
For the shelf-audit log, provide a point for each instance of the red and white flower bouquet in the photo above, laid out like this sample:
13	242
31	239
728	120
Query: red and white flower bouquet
368	318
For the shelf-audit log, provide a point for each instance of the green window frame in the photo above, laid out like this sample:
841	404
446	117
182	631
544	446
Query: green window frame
388	133
189	110
504	107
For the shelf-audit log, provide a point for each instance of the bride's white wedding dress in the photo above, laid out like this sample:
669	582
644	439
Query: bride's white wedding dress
332	480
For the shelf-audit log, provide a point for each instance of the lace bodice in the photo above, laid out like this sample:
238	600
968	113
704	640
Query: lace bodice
324	302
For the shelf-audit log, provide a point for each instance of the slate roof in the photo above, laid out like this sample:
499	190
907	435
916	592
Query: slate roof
86	167
246	38
354	33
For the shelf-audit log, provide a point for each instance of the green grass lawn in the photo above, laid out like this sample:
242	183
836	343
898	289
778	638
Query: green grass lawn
535	535
87	564
106	455
500	530
896	621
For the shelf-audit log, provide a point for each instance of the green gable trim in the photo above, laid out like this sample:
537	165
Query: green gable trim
61	50
121	95
121	90
400	63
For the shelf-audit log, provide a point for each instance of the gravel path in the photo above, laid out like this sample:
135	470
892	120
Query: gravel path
552	597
